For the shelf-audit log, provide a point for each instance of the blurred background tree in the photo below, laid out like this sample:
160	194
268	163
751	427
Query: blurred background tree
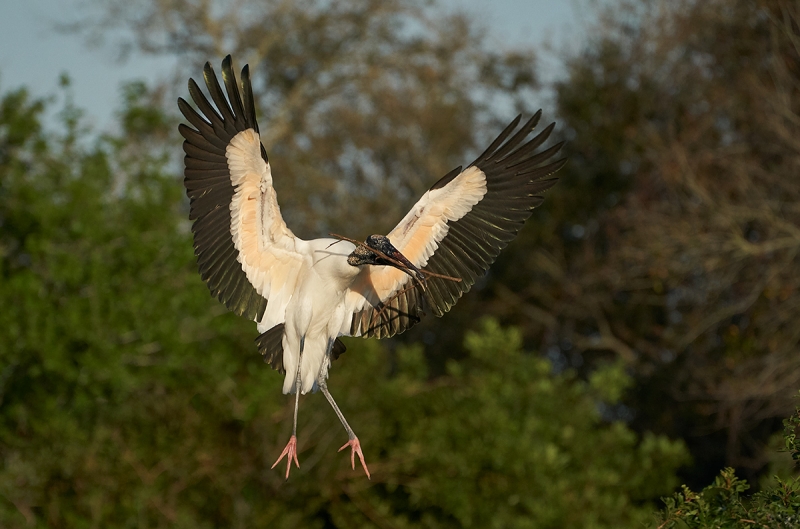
673	242
655	292
361	101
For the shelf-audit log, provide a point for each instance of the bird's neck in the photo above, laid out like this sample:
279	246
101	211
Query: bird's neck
330	263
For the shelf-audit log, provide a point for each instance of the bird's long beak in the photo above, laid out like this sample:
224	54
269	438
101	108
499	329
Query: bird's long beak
407	267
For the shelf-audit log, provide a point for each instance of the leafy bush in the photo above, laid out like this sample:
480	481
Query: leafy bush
722	505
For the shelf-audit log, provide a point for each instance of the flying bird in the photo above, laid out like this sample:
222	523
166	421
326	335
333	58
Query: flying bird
303	295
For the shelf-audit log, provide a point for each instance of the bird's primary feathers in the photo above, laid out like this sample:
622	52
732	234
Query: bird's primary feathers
305	294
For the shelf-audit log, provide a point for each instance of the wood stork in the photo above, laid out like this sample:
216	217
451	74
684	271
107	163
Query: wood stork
304	295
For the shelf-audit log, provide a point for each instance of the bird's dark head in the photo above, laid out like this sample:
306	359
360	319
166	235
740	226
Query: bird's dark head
364	255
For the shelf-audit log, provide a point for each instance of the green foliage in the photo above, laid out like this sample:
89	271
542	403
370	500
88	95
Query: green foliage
532	446
791	426
721	505
610	381
128	397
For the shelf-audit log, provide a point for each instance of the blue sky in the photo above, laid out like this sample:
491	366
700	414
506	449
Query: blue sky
34	54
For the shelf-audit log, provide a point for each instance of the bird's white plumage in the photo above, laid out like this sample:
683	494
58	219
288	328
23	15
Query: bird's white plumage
307	292
316	311
417	237
308	284
270	254
418	234
305	282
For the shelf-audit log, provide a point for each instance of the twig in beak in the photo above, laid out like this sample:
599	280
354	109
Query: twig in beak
398	264
385	304
395	262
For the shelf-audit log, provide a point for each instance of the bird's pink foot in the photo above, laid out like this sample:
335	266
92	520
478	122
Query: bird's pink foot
291	452
356	449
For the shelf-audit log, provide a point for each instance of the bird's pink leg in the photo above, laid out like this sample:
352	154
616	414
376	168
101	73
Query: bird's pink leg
353	442
291	446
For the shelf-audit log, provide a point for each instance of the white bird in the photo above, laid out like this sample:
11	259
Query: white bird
304	295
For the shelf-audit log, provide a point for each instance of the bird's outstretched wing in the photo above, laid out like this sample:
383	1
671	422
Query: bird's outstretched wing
457	228
245	252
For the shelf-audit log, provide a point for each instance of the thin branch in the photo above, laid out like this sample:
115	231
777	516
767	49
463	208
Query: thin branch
394	261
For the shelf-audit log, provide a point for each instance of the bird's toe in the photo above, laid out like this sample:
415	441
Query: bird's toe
355	448
291	452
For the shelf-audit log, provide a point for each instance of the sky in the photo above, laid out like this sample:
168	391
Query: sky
34	54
